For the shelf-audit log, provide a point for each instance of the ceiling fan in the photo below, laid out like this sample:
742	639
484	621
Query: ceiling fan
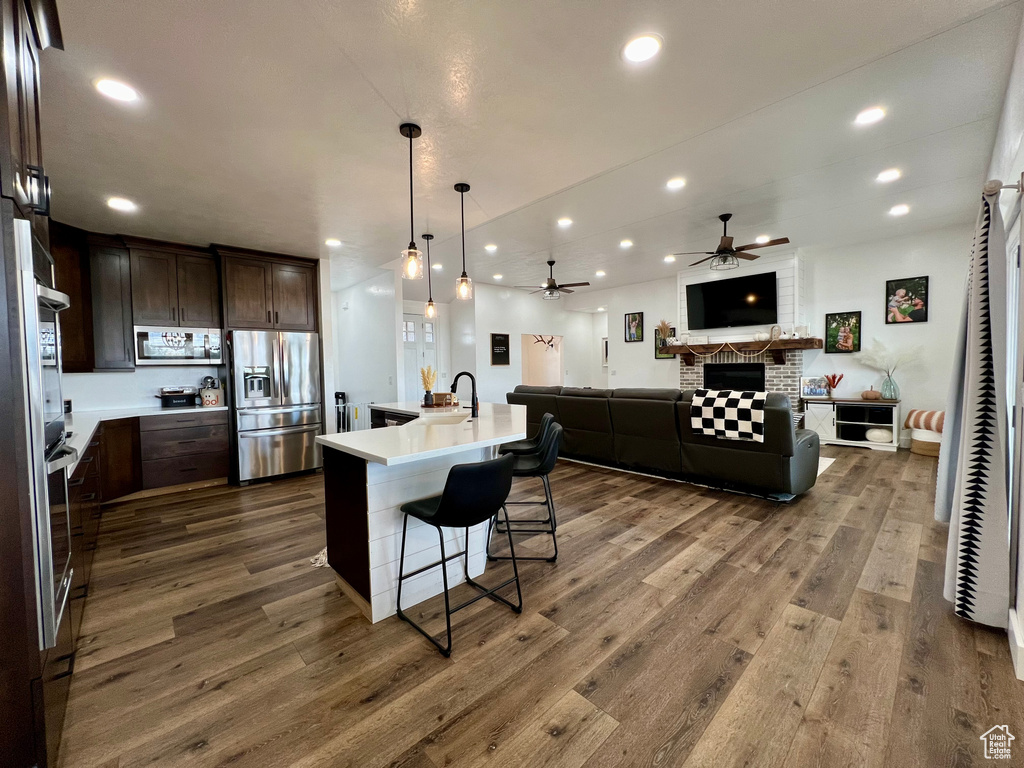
551	288
725	256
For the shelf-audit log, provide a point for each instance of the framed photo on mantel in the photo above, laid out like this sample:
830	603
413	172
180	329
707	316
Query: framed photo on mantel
499	349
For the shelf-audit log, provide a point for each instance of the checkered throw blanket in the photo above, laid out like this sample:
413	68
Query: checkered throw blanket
729	414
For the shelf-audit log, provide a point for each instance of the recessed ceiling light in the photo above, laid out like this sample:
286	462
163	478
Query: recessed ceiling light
869	116
122	204
899	210
497	277
600	309
565	223
626	244
669	259
490	247
762	239
600	273
890	174
116	90
677	183
642	48
438	267
332	242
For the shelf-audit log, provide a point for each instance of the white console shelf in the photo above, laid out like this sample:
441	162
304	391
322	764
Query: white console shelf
840	421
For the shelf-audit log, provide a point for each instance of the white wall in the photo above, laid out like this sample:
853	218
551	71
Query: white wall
506	310
131	389
366	333
853	278
632	364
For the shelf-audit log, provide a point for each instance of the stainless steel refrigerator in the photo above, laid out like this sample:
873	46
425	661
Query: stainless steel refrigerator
276	401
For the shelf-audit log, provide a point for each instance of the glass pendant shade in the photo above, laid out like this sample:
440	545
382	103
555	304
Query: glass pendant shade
412	264
725	261
464	288
430	310
551	295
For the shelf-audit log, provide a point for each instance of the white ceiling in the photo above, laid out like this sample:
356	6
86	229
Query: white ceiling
276	127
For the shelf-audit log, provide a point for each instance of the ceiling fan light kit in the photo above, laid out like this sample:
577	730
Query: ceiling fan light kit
412	257
550	287
727	257
463	286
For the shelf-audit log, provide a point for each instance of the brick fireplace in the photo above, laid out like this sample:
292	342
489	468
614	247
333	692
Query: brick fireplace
778	378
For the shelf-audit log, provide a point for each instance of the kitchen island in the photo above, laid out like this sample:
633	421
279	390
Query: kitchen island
369	474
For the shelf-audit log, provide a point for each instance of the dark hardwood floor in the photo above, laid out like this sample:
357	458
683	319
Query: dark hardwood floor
681	626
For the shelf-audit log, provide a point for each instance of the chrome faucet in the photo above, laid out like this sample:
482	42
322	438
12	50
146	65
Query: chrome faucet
474	403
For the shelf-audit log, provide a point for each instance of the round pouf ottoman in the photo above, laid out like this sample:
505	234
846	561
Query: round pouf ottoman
878	435
925	431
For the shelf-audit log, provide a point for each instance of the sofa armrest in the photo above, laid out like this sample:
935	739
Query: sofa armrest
803	466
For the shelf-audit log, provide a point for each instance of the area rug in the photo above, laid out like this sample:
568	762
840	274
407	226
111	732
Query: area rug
824	464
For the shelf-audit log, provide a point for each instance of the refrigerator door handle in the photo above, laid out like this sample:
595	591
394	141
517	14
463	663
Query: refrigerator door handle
286	388
276	381
286	431
283	409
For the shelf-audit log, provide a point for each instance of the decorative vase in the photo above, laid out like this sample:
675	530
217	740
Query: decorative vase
890	390
428	398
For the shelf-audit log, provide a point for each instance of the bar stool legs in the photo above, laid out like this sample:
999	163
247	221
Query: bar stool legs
446	650
550	521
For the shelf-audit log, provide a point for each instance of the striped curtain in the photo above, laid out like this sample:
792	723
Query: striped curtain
972	490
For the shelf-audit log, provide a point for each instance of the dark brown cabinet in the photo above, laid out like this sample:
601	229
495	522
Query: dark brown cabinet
71	269
190	447
120	459
248	293
111	293
154	287
264	291
294	297
174	286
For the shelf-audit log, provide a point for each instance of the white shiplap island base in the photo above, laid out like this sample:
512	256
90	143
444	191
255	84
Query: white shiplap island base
369	474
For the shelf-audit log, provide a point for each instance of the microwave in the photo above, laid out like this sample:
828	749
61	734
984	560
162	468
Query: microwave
177	346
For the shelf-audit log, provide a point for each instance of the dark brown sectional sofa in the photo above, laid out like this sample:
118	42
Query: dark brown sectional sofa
648	430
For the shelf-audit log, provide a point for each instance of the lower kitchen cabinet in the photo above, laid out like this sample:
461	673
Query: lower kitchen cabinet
192	447
120	466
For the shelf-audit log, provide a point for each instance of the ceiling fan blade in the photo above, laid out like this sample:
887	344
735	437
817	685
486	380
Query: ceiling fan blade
726	243
563	289
525	287
747	256
752	246
572	285
695	253
537	291
702	260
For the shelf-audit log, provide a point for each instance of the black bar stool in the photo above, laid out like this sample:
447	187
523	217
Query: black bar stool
539	463
473	493
530	444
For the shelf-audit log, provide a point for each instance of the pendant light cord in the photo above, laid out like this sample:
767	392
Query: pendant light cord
412	226
462	201
430	292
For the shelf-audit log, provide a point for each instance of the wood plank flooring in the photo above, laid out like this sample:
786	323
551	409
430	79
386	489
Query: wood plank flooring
680	627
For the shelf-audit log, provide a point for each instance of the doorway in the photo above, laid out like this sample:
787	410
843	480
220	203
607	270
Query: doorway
542	360
419	342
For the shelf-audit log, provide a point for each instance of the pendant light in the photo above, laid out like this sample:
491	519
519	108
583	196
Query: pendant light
412	258
430	308
463	286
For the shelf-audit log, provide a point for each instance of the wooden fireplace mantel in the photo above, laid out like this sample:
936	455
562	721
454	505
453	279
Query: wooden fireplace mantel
777	349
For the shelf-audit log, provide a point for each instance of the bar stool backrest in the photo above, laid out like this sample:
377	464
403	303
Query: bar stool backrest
548	449
474	493
546	421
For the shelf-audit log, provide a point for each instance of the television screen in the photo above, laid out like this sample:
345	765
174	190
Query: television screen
738	301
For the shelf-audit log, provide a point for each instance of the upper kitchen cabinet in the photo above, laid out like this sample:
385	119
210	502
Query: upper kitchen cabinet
68	246
267	291
111	304
173	285
28	27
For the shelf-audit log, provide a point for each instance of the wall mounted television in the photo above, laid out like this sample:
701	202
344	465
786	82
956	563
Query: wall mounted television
732	303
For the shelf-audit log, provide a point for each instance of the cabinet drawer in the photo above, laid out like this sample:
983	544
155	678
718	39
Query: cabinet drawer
182	420
168	443
183	469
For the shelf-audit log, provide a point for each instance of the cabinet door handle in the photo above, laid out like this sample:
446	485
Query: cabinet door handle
277	317
88	496
185	442
174	313
183	314
268	315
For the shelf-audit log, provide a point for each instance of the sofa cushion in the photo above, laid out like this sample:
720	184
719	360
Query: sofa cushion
643	393
645	432
588	425
529	389
537	404
778	428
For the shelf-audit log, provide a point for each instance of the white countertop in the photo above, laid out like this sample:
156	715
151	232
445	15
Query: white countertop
420	439
83	424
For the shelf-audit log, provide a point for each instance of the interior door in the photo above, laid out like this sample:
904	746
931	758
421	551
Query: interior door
419	342
154	287
294	297
198	292
249	293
